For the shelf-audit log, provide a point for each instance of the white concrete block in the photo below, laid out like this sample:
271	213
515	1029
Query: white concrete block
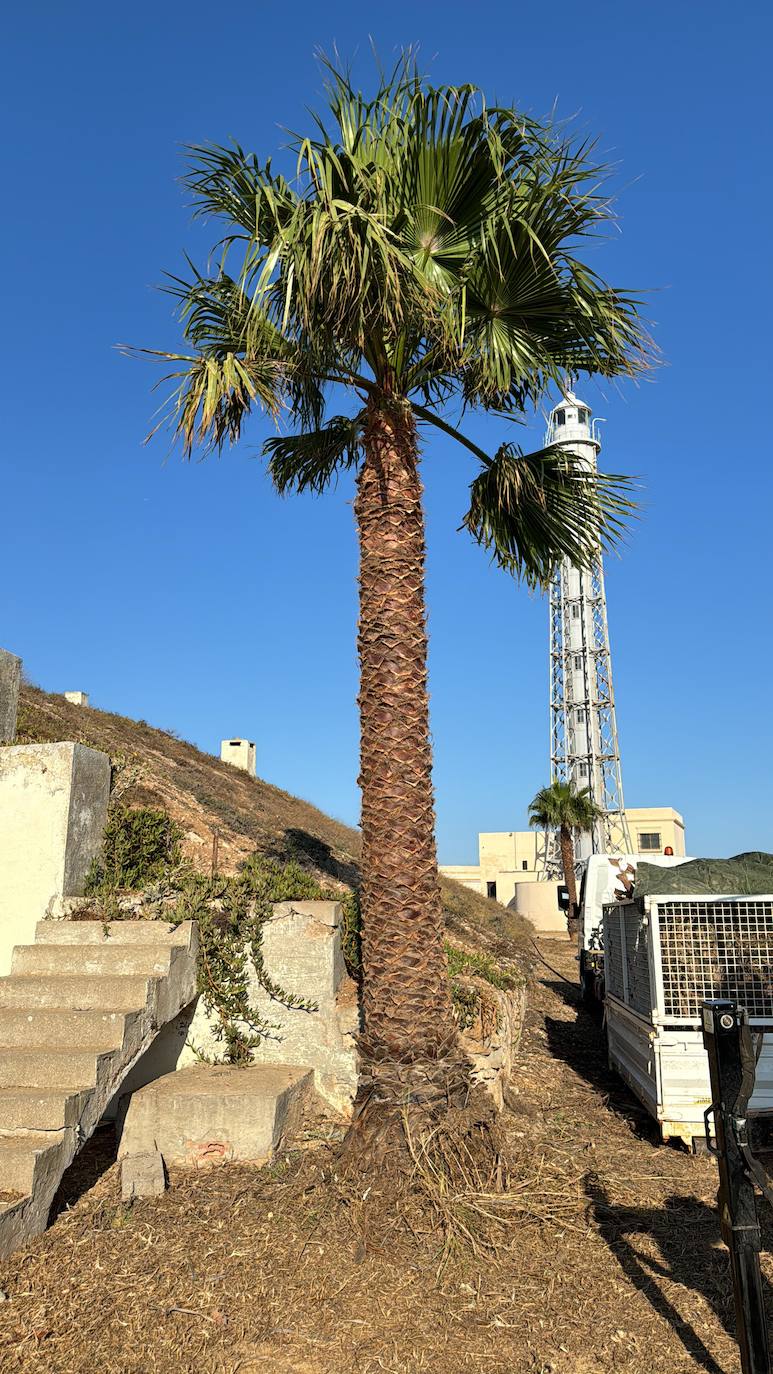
302	954
10	678
53	807
240	753
77	698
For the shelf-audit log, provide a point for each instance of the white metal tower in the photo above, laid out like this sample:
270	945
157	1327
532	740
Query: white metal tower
584	748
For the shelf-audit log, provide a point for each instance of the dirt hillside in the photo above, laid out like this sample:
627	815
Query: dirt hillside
155	768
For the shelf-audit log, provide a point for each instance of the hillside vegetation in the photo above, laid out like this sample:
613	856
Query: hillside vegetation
208	799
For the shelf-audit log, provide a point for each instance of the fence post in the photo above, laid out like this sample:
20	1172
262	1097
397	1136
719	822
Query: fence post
722	1025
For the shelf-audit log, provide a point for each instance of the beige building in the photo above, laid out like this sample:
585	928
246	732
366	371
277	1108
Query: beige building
509	857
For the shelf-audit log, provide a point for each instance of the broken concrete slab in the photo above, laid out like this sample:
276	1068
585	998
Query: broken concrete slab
142	1175
302	953
215	1113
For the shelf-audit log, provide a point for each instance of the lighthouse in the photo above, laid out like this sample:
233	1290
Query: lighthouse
584	748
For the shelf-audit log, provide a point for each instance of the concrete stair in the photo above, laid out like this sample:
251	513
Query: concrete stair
214	1113
77	1011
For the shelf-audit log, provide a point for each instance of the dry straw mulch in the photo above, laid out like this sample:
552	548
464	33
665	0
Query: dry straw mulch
603	1257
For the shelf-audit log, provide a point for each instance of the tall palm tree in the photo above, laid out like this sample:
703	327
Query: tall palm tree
561	807
421	256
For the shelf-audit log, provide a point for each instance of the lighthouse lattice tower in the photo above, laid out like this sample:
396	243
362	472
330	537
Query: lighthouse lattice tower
584	747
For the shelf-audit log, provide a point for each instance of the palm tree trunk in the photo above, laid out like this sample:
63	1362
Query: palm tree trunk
409	1049
567	861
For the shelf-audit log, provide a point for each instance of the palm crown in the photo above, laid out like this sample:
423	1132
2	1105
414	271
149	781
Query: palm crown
561	805
426	250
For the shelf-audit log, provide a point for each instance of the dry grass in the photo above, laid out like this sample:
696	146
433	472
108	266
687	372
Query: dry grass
202	794
602	1257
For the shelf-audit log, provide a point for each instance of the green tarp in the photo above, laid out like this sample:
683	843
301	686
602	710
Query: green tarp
748	875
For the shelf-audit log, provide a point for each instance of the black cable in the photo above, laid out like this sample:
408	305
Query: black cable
570	983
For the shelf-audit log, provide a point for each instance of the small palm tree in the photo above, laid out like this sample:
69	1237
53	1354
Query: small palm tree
560	807
423	255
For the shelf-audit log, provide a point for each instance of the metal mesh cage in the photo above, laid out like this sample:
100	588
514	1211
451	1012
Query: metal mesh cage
626	957
716	948
637	963
613	953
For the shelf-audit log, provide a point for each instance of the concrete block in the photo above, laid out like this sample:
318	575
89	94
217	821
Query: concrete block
77	698
142	1175
10	679
212	1114
53	807
240	753
302	953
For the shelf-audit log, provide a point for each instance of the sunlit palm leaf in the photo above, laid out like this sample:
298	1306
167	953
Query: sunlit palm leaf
427	246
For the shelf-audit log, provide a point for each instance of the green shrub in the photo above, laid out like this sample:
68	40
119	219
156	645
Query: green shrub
478	965
141	853
138	848
466	997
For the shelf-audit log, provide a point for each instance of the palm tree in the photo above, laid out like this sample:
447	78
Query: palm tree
560	807
422	256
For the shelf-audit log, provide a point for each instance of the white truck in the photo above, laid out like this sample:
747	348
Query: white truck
652	959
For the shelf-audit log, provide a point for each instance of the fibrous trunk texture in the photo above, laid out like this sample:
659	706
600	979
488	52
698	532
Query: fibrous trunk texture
411	1061
567	861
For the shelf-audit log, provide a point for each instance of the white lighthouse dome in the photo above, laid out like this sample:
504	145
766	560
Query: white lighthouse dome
570	423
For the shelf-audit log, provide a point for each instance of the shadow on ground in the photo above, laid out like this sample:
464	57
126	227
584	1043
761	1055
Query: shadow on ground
90	1163
686	1232
581	1043
300	844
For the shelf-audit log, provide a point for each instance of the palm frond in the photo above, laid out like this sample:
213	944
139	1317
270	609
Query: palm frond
309	461
429	246
532	510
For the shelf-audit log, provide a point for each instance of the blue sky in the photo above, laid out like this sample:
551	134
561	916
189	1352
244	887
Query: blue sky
195	598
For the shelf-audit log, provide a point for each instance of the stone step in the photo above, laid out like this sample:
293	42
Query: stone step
40	1109
49	1068
210	1114
18	1158
92	960
79	1010
117	992
60	1027
114	932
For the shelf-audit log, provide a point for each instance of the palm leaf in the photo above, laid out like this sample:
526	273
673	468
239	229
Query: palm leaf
426	246
308	462
532	510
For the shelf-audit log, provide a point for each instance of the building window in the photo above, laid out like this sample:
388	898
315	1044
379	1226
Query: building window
575	610
560	417
649	841
582	416
580	715
491	891
578	661
583	770
525	865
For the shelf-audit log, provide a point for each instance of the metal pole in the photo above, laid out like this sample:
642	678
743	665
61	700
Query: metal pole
722	1025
